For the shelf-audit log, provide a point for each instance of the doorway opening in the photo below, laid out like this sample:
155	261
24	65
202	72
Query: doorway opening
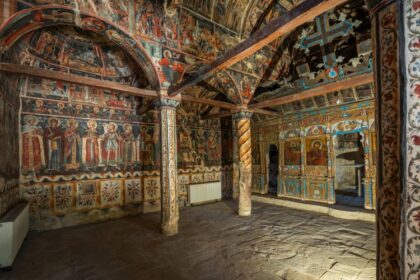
273	170
350	169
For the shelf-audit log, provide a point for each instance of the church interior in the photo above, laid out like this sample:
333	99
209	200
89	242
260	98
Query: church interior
210	139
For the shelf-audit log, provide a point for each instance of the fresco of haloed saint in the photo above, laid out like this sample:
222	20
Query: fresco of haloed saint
153	23
66	145
197	36
33	155
198	146
316	151
149	145
292	152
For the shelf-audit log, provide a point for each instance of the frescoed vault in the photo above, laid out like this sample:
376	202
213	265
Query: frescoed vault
87	149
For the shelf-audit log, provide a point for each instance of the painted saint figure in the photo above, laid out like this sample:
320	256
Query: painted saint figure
317	155
33	157
145	154
213	147
53	140
110	143
72	145
171	70
129	146
201	144
185	146
150	138
90	146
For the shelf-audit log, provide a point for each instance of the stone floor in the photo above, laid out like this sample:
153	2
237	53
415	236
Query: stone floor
214	243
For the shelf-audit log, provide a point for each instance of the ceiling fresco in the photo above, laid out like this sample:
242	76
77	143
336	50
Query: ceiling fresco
226	13
81	53
335	46
347	96
180	33
222	86
31	20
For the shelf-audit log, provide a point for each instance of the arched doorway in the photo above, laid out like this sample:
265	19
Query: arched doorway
273	169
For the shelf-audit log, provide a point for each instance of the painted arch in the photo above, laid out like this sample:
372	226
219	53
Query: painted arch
32	19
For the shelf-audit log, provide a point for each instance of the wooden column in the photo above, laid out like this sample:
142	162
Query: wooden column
168	169
243	124
388	126
370	202
331	169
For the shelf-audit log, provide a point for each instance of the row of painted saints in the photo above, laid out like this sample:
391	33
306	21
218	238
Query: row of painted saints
53	148
61	146
198	148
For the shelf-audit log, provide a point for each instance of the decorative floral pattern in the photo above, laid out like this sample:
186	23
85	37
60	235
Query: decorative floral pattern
86	194
151	188
168	173
37	196
133	191
110	192
389	166
62	197
411	253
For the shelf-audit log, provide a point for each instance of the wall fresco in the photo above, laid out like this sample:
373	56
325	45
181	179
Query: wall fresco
86	154
105	156
9	145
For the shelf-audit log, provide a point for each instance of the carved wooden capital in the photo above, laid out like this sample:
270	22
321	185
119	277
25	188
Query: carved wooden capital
167	103
242	115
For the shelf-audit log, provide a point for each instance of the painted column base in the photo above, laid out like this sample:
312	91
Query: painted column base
170	229
245	203
244	212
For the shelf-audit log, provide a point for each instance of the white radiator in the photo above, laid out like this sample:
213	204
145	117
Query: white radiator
204	192
14	227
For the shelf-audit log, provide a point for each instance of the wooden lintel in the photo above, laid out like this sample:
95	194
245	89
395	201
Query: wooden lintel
302	13
73	79
227	114
317	91
211	102
85	81
217	116
265	112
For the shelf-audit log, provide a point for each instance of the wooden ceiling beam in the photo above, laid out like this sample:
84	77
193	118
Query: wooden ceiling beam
265	112
302	13
227	114
211	102
73	79
85	81
317	91
217	116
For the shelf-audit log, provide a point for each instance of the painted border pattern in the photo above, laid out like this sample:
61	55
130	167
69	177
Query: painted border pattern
388	116
411	199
